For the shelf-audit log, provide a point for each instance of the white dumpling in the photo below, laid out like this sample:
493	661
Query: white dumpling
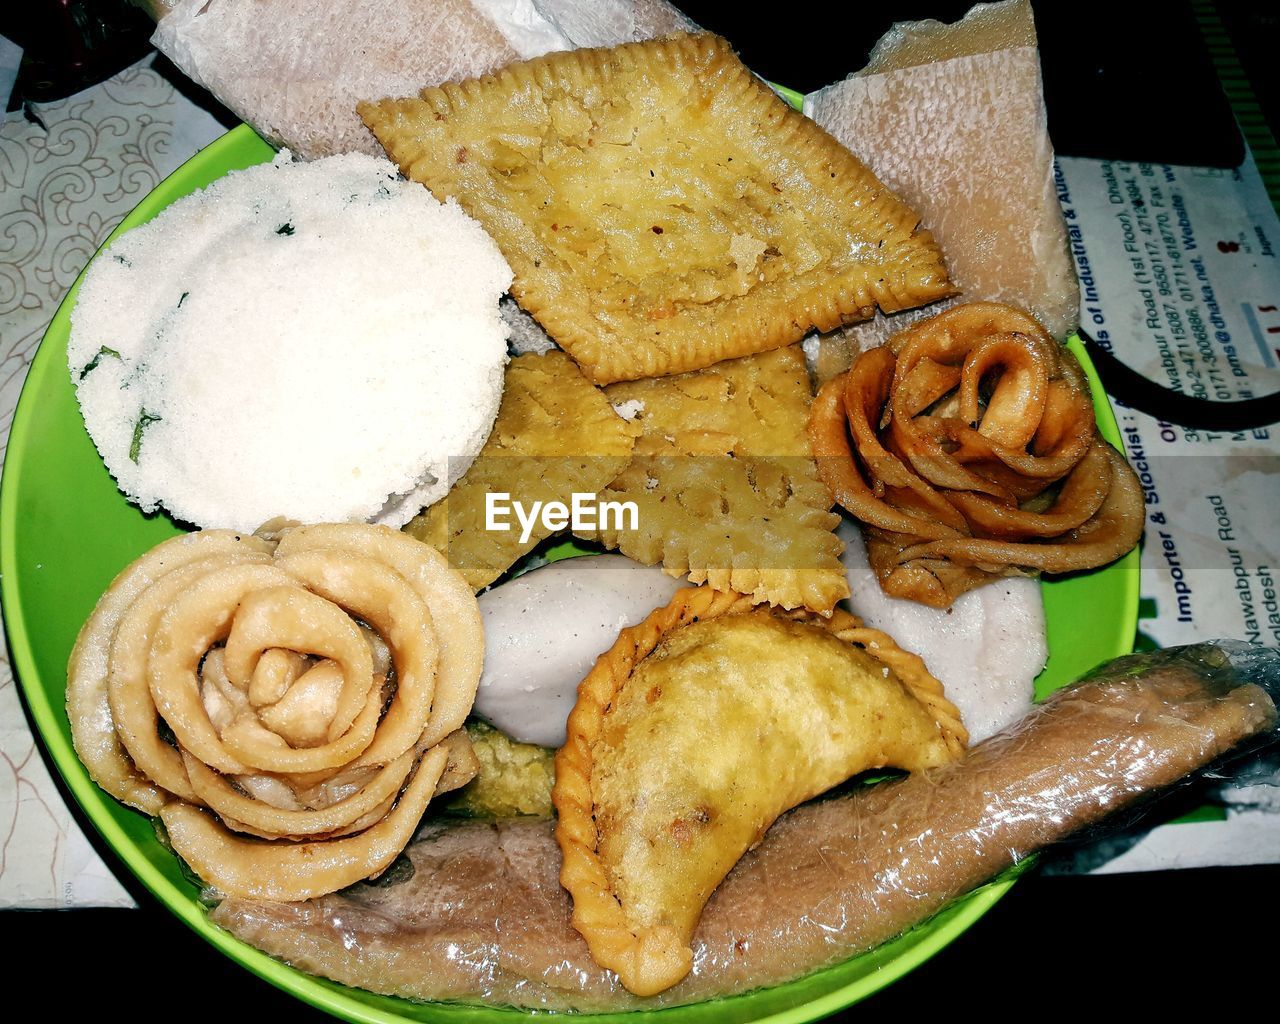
987	648
544	630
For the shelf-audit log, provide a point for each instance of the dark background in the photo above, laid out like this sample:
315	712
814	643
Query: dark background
1122	80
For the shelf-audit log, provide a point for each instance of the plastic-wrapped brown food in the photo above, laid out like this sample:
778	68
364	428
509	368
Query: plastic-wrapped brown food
977	163
482	916
295	70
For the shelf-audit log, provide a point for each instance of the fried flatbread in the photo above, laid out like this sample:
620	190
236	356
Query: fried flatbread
725	487
662	209
555	435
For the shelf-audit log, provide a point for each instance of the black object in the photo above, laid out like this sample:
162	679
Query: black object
69	45
1123	79
1131	388
1133	81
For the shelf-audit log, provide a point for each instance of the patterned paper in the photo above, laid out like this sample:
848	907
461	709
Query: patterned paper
69	172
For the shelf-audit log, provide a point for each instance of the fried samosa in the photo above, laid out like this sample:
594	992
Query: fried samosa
693	734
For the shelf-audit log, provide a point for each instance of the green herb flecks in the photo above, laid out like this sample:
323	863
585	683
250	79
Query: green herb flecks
182	298
92	364
145	419
285	229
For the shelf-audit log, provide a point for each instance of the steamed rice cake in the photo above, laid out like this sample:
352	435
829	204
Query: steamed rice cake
316	341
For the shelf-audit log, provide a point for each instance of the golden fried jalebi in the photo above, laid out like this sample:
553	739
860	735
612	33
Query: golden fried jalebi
968	448
305	687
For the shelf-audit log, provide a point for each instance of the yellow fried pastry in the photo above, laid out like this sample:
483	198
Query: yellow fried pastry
555	435
661	208
693	733
512	780
726	490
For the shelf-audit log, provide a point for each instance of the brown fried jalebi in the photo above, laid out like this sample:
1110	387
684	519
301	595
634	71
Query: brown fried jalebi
968	448
304	687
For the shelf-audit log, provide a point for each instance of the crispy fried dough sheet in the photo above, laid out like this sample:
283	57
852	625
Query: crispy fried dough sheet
952	118
661	207
555	435
482	916
295	71
725	487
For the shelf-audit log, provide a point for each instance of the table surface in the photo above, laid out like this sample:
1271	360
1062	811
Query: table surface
1076	944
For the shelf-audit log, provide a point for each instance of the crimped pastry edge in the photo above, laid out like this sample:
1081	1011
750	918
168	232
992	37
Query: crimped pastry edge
753	323
650	960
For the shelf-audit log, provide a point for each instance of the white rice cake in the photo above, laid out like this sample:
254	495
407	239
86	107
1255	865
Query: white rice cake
316	341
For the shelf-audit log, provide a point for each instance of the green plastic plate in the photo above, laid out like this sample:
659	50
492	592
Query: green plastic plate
65	531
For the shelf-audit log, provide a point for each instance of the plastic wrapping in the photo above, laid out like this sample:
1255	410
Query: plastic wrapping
295	71
482	917
952	118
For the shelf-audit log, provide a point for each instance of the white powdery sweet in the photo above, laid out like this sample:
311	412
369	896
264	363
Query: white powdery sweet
544	630
319	341
987	649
